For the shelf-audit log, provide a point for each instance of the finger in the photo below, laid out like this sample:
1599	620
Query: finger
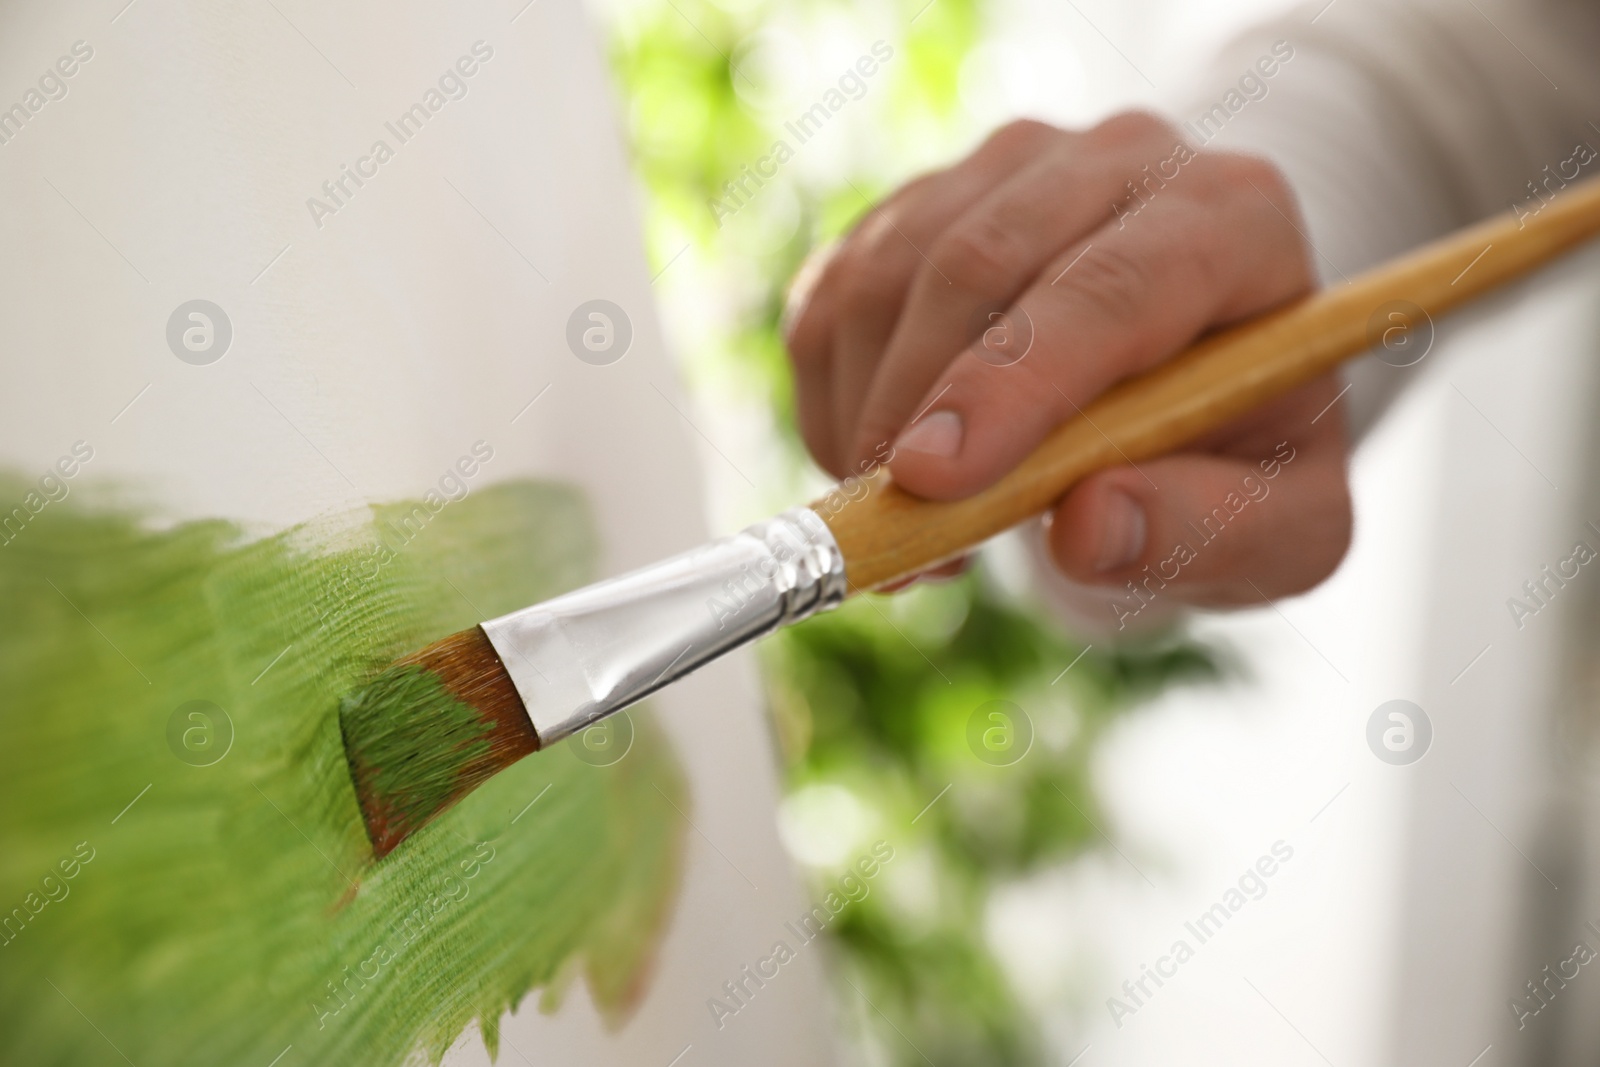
999	246
860	334
861	286
853	305
1210	249
804	283
1268	518
933	576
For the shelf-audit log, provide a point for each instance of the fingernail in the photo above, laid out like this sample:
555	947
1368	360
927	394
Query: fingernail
1122	540
937	434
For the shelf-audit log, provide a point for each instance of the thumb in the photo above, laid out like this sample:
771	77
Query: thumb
1221	530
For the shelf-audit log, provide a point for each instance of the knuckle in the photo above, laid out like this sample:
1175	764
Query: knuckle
1232	175
1019	217
1131	127
917	189
1024	131
870	243
1262	174
1269	205
908	202
1113	283
1017	136
976	256
1237	202
864	280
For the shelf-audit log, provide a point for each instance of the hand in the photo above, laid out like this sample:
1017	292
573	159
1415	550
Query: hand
1119	245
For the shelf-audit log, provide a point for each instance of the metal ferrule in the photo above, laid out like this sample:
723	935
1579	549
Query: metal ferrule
594	651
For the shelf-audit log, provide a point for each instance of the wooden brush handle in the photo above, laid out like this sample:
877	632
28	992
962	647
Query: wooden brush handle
888	533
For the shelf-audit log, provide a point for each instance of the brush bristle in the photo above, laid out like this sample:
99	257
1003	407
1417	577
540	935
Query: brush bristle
428	730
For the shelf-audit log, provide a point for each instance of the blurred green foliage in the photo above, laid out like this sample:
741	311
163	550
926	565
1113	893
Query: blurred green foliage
947	713
889	703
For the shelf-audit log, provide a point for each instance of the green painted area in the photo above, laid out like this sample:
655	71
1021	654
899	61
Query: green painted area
234	908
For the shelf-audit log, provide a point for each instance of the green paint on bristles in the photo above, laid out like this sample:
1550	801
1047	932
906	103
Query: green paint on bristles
412	745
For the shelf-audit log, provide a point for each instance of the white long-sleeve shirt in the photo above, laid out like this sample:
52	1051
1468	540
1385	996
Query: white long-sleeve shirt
1398	122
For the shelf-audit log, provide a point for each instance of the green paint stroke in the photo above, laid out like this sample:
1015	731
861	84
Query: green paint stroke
234	908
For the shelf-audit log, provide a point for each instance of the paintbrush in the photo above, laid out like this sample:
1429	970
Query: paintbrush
431	728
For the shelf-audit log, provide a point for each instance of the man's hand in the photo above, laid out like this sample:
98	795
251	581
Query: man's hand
1114	249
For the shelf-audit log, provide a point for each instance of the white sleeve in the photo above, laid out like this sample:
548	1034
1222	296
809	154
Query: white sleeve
1395	121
